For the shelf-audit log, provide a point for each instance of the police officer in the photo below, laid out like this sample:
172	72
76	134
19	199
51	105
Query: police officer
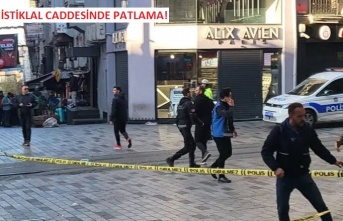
291	141
208	91
184	120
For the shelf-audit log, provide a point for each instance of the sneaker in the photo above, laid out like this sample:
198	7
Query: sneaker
117	147
194	166
170	162
223	179
205	157
130	142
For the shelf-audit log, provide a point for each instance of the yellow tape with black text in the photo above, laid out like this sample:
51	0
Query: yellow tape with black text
237	172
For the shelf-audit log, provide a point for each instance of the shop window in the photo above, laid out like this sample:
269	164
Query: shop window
177	70
271	77
208	63
240	11
174	71
180	11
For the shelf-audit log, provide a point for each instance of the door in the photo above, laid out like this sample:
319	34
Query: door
241	70
122	72
329	102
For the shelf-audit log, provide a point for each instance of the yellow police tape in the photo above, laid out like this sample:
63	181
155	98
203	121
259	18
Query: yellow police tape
318	215
237	172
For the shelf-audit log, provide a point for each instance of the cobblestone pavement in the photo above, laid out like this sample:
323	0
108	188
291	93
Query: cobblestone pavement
146	195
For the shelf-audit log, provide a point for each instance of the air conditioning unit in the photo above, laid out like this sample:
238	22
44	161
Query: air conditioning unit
100	31
74	3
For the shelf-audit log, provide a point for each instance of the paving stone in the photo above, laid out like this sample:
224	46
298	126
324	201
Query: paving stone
147	195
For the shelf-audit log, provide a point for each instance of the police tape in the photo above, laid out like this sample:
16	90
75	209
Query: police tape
318	215
237	172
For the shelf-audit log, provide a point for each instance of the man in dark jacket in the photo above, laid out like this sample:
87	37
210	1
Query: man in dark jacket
119	117
26	102
203	108
184	120
223	130
291	141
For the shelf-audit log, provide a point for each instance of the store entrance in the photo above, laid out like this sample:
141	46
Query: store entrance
254	77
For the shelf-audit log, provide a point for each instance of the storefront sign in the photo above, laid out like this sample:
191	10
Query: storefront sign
324	32
9	50
119	37
246	33
61	28
175	97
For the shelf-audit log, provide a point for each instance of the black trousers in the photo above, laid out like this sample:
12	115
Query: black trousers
307	187
120	127
189	146
225	151
6	116
26	124
202	134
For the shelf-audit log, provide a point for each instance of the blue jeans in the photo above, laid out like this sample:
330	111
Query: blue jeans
307	187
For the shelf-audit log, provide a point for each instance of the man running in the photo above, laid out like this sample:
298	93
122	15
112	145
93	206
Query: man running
119	117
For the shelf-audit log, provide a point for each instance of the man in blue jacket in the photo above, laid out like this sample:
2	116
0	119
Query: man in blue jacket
223	130
291	141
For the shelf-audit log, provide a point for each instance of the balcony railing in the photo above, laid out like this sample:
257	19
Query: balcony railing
324	7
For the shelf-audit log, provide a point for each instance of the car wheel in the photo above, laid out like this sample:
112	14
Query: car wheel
310	117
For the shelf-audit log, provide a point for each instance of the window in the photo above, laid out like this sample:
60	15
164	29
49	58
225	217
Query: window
174	70
180	11
335	87
223	11
308	87
240	11
271	75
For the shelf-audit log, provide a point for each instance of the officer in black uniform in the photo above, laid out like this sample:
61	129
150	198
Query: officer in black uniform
291	141
184	120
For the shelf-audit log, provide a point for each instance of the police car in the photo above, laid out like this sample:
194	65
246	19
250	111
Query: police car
321	94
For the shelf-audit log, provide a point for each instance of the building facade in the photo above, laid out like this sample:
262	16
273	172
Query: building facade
248	45
320	36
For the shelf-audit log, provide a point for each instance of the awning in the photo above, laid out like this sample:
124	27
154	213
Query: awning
79	72
61	39
41	79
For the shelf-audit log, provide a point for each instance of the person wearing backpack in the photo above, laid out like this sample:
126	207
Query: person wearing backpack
292	141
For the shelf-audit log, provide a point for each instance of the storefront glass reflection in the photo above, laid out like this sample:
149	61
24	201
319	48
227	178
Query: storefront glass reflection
173	72
271	76
223	11
176	70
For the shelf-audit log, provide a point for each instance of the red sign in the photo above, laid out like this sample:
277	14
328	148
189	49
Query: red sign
2	63
9	50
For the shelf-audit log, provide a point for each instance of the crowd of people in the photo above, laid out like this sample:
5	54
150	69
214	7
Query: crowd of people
286	150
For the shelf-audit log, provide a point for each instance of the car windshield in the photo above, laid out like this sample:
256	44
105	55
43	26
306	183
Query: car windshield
308	87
